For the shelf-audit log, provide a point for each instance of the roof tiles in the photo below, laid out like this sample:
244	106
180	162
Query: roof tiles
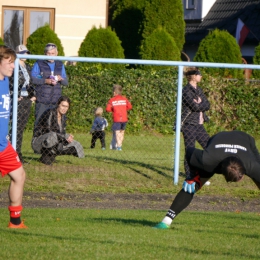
223	15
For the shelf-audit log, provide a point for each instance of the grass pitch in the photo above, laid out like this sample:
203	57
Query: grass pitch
144	166
128	234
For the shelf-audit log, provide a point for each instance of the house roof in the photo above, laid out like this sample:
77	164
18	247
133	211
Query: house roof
223	15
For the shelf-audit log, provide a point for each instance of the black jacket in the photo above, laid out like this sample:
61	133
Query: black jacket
190	109
223	145
48	122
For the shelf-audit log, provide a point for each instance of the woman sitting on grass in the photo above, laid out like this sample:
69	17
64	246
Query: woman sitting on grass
50	138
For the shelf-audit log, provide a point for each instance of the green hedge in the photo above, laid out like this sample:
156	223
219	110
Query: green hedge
234	103
256	60
152	95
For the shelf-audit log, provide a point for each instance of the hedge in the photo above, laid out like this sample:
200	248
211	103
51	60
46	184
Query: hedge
151	94
234	103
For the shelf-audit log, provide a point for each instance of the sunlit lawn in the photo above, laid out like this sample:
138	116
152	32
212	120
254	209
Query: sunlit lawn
128	234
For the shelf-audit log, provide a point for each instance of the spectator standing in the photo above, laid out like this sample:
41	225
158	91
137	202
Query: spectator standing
50	138
9	160
26	96
194	106
98	129
48	76
119	105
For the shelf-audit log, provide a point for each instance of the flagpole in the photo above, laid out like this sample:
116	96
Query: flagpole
254	35
242	31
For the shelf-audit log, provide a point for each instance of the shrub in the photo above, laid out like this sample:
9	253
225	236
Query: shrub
256	60
234	103
101	43
159	45
126	20
220	47
167	14
1	41
43	35
151	94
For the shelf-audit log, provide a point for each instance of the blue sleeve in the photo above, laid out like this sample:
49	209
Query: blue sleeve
63	72
35	70
94	125
64	82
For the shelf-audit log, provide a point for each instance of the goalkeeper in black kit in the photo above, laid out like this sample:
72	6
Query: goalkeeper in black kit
233	154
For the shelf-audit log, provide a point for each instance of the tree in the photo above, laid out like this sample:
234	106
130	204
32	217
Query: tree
220	47
101	43
1	41
126	20
11	36
167	14
37	41
160	45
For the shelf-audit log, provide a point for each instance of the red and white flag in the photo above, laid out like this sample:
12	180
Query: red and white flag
241	32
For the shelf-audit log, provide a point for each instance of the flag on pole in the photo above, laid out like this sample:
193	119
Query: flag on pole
241	32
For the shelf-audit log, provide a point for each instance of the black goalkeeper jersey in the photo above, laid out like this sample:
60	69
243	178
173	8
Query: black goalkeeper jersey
223	145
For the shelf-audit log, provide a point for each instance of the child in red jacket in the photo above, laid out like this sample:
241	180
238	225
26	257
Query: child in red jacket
119	105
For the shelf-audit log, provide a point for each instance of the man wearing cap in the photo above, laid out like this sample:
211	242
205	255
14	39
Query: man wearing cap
48	76
26	96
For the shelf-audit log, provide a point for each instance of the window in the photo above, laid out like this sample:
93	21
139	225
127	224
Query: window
20	22
190	4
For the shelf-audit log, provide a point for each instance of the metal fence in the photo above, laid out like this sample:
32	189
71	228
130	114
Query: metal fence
136	151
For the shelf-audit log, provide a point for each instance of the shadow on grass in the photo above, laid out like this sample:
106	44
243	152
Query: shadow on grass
229	232
128	163
160	170
28	233
122	221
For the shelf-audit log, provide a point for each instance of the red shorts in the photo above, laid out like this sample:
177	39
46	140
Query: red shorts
9	160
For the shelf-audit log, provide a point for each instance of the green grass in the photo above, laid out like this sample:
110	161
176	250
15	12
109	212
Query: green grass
128	234
144	166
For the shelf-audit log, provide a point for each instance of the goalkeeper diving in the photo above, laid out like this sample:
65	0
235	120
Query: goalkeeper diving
232	154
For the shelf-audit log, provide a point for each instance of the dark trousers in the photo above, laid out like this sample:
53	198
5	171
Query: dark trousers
23	113
98	135
191	134
49	154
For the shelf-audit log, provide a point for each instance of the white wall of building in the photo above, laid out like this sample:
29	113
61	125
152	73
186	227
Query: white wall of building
73	19
206	6
199	11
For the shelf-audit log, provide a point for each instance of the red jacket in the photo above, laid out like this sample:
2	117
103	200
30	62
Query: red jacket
119	106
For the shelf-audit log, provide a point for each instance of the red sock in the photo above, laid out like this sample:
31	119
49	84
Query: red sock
15	214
